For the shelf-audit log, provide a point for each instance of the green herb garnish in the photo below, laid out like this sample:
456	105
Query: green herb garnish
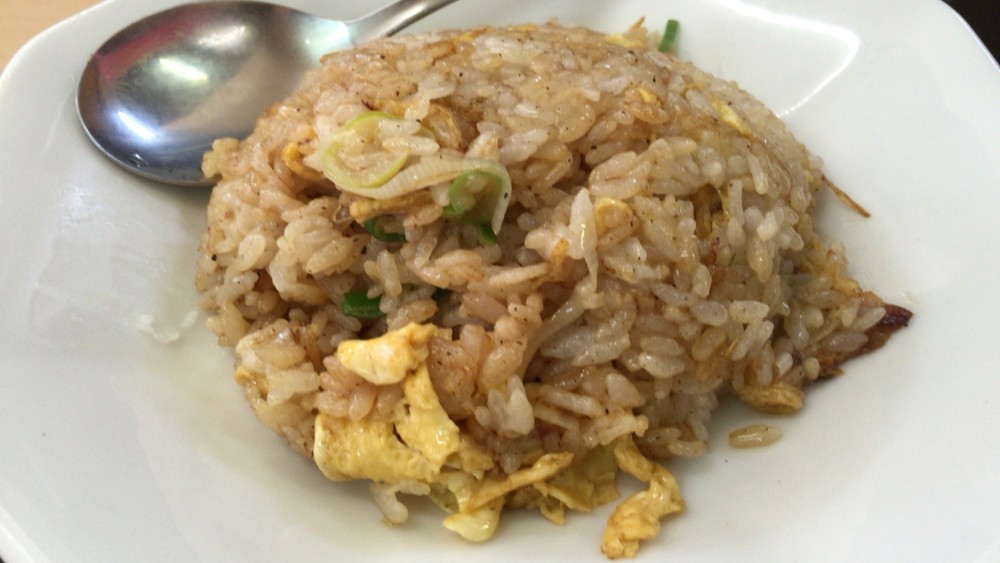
473	196
669	36
377	230
357	304
365	127
486	234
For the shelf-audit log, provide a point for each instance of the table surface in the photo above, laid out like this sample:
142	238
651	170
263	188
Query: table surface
20	20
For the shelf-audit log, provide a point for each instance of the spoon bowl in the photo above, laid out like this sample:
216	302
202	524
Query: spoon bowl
157	93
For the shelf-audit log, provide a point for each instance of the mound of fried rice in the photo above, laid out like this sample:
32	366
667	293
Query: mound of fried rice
654	248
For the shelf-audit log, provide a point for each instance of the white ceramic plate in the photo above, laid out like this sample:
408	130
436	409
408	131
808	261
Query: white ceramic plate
116	446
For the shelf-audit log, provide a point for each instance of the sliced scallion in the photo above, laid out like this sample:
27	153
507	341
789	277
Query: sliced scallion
357	304
375	227
473	196
364	126
669	36
486	234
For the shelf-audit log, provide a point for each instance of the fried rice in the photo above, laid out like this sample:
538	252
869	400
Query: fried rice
497	266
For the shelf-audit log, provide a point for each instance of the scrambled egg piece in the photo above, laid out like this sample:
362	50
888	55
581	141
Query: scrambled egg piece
389	358
367	449
291	155
631	39
419	444
546	467
416	441
619	39
477	525
610	213
729	116
638	518
585	485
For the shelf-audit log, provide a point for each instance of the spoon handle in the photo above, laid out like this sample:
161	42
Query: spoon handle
392	18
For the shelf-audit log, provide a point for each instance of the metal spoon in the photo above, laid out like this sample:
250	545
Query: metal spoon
155	95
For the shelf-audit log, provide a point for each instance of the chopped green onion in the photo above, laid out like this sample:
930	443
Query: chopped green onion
357	304
669	36
486	234
473	196
378	232
364	125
